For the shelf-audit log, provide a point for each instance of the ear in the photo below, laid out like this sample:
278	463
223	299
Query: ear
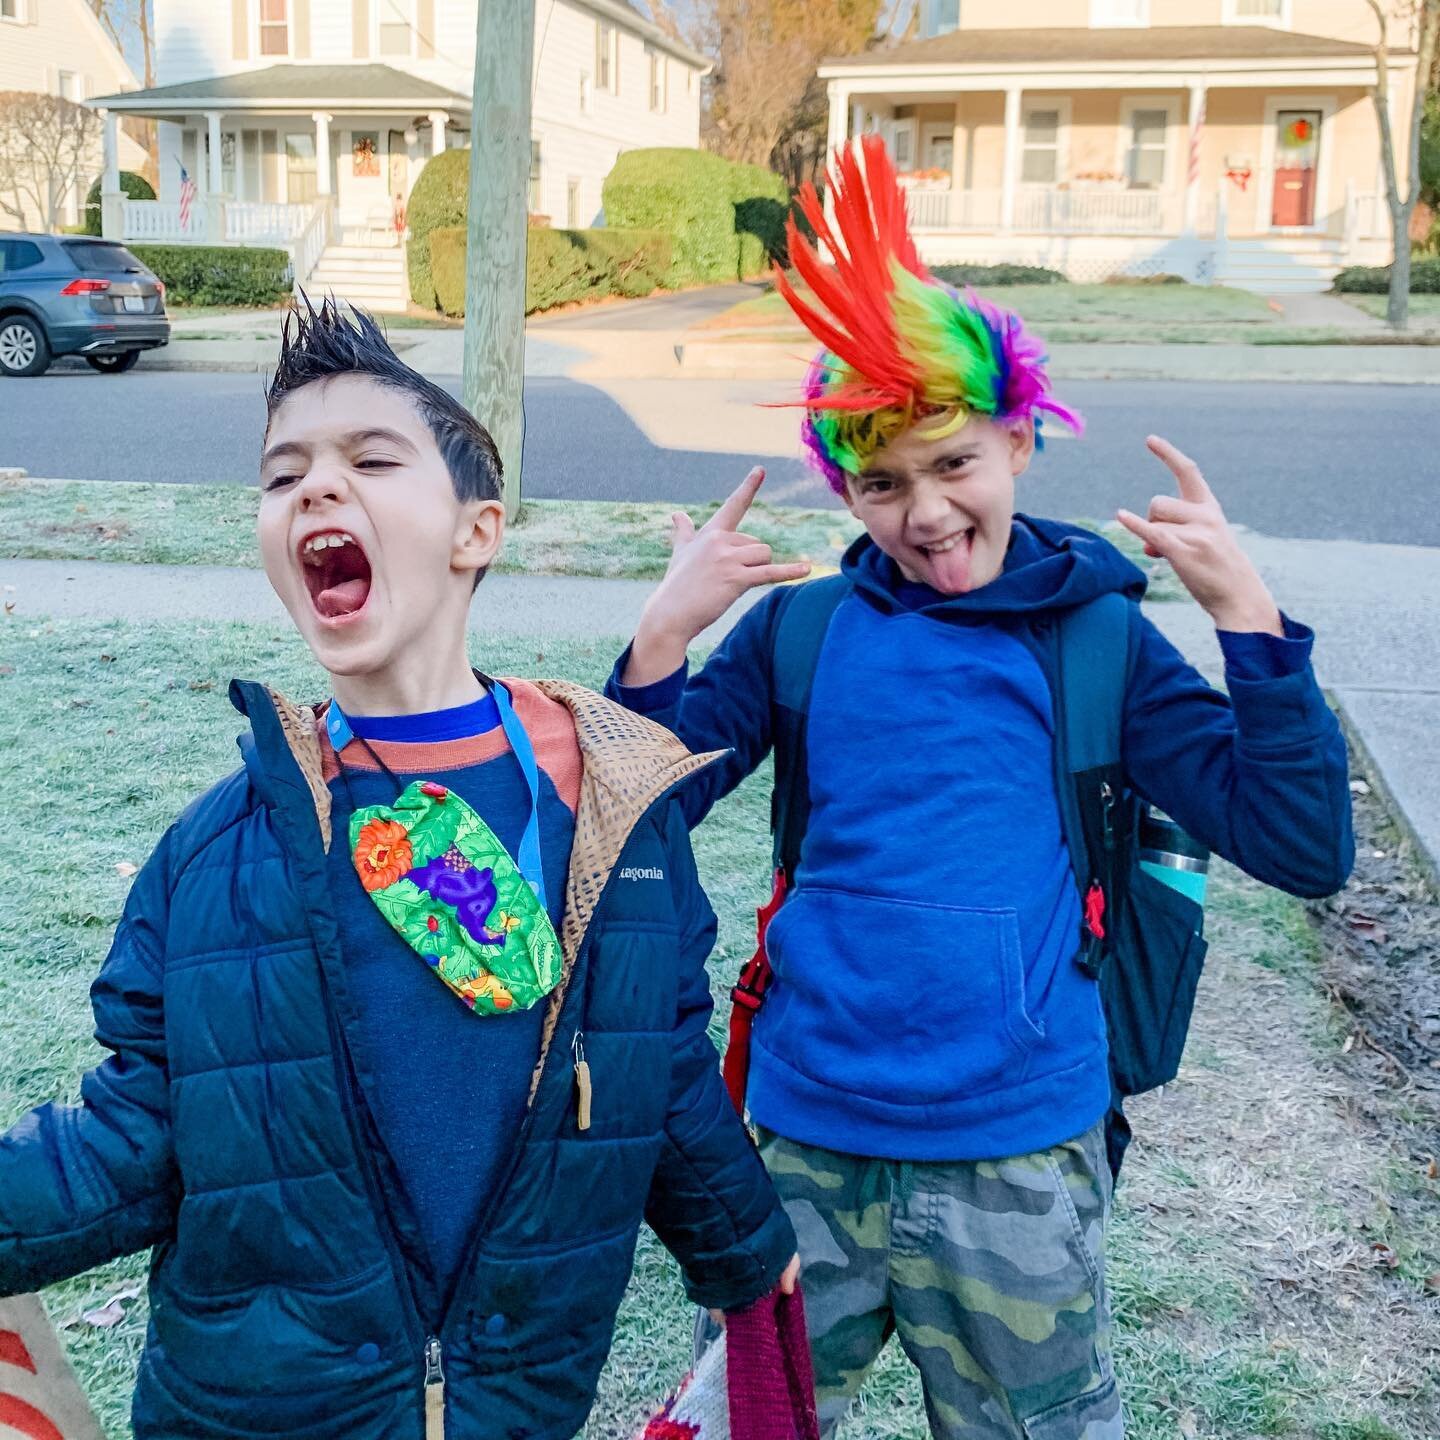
478	536
1022	445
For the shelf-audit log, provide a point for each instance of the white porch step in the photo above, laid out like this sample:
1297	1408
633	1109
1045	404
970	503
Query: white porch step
372	276
1298	265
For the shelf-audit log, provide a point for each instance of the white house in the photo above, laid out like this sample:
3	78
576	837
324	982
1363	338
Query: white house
58	47
306	122
1231	140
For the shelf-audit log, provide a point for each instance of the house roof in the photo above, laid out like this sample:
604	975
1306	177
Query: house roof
302	87
1153	43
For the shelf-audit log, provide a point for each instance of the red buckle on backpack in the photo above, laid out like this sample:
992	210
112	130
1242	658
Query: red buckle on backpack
1095	911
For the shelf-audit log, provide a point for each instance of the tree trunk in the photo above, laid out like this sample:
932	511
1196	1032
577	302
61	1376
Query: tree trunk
1397	311
494	381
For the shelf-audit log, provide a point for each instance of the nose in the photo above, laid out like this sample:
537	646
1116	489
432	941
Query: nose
324	483
931	514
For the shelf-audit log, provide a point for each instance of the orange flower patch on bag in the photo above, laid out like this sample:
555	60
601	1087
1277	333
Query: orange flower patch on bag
382	854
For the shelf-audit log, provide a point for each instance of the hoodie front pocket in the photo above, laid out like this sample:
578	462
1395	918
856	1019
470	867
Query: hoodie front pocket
896	1000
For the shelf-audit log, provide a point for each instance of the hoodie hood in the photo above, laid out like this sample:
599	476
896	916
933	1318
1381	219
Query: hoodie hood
1048	566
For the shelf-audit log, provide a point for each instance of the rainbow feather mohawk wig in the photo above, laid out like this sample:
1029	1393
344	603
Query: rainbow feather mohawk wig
901	347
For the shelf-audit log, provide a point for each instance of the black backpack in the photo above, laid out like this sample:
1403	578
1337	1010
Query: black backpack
1143	938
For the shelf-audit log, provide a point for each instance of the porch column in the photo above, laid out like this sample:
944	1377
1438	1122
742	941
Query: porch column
112	202
322	152
839	105
439	119
1192	156
1012	157
215	181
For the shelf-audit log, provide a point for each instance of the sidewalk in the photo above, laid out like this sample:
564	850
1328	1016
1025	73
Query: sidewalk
1373	607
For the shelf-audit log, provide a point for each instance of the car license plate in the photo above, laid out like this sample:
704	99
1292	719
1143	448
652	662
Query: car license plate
135	304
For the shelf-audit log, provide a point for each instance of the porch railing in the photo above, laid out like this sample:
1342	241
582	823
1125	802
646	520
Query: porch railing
309	245
164	222
1051	211
215	221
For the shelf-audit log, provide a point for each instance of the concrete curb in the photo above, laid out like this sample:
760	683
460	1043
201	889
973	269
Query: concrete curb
1384	758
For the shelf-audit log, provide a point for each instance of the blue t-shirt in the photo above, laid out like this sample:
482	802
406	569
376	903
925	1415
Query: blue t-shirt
447	1087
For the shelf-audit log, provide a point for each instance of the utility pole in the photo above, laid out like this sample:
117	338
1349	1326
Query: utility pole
495	264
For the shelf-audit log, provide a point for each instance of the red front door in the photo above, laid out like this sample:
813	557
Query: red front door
1297	149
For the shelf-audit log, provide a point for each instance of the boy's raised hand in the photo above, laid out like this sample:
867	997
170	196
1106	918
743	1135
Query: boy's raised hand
1191	532
710	569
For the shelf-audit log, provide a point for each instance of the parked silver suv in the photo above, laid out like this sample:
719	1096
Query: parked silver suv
74	295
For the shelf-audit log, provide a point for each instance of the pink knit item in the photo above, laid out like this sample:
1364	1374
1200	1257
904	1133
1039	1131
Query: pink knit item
755	1383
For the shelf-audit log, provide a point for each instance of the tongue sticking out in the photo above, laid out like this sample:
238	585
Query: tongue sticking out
338	578
951	568
342	599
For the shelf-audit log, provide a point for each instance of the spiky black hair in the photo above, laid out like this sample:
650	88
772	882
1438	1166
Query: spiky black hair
321	344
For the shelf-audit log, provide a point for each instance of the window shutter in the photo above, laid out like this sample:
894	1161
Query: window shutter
425	27
300	20
361	13
240	28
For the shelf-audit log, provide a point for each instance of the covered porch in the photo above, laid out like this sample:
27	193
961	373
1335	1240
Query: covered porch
1108	164
245	160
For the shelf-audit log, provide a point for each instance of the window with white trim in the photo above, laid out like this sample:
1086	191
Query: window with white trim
274	27
13	10
572	203
395	28
584	92
1040	146
68	84
1149	146
902	144
1257	12
659	80
605	67
1119	12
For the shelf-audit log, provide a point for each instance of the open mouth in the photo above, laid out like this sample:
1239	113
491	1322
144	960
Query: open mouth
337	574
950	542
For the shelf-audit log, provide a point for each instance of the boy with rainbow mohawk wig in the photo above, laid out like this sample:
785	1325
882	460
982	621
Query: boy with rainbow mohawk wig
929	1075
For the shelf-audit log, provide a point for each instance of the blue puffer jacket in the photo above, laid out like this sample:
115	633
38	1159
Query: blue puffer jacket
229	1129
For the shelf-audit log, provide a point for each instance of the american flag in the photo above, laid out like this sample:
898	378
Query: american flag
187	197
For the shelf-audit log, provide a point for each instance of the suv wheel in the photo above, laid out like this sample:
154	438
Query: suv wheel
24	350
113	364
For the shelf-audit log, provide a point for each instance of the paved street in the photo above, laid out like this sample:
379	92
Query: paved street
1307	461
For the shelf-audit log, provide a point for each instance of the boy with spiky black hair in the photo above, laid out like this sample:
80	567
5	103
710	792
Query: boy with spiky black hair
408	1015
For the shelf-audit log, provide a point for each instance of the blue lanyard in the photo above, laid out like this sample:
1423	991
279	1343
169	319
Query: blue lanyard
529	859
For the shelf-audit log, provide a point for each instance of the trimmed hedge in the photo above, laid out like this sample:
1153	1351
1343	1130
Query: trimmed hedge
440	198
728	220
1375	279
132	186
218	274
996	275
561	265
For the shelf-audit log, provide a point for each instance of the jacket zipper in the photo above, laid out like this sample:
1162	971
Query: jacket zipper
434	1390
432	1351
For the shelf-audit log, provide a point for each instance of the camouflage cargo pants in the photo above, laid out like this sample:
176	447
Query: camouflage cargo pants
991	1273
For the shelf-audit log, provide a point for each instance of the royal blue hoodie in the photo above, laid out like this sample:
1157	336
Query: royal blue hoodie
927	1003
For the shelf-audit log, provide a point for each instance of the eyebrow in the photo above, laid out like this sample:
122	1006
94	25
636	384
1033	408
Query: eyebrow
287	449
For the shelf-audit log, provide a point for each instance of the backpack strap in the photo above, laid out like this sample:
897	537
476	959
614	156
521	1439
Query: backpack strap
802	620
1092	674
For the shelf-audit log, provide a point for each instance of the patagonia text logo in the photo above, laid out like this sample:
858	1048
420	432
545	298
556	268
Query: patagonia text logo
642	872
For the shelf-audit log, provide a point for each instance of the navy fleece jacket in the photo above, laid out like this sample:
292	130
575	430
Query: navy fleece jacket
927	1002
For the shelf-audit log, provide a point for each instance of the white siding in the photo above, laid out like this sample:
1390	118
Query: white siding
332	33
58	35
193	41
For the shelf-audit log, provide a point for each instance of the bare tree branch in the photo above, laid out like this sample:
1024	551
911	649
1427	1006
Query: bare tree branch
47	144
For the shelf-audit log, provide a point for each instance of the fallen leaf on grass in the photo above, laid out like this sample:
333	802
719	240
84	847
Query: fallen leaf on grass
1189	1425
1432	1170
107	659
1367	927
1359	787
126	869
1384	1255
200	686
1432	1283
106	1316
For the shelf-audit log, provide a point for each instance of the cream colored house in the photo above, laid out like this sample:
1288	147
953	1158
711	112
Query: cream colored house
305	123
58	47
1223	140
